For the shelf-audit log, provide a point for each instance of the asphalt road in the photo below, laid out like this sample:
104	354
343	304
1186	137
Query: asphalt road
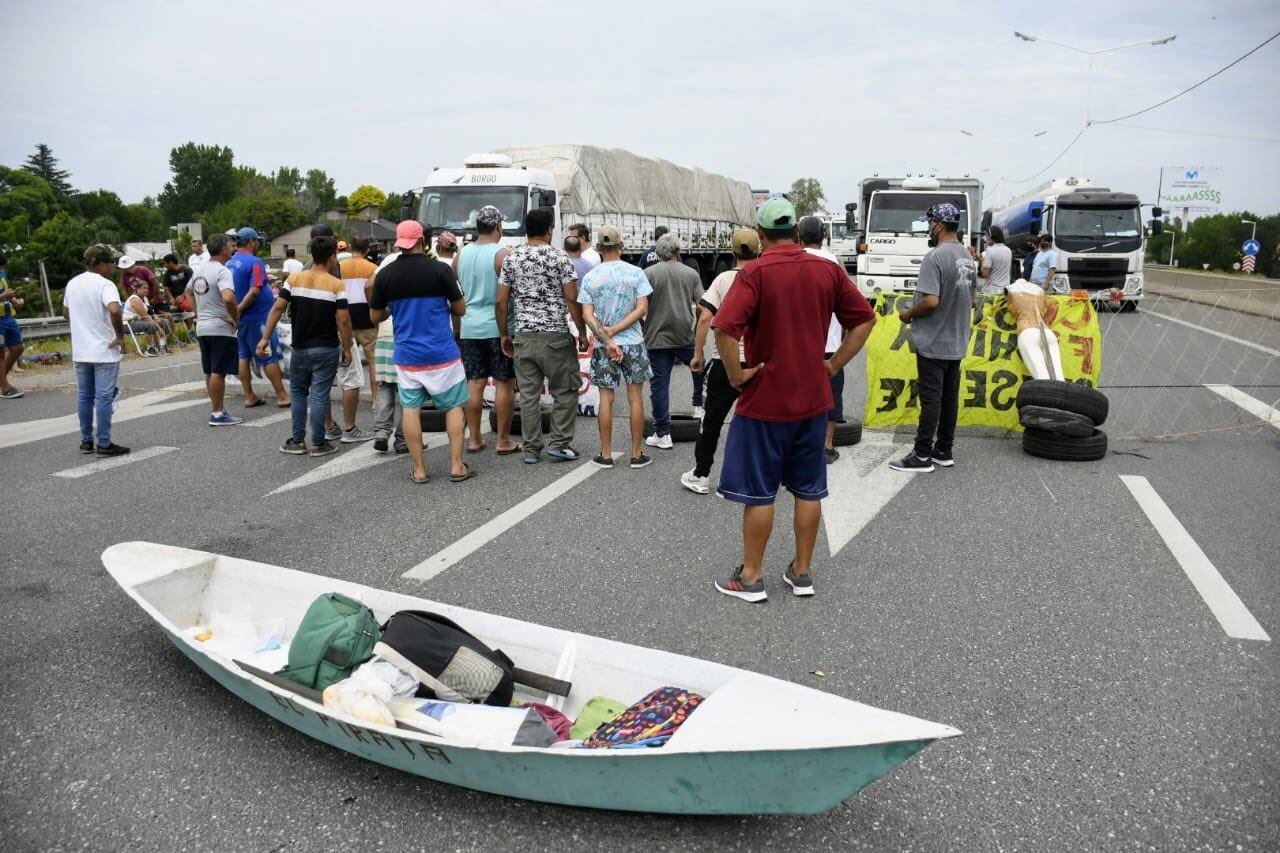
1030	604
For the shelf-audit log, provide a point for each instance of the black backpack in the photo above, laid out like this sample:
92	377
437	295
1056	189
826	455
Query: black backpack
449	663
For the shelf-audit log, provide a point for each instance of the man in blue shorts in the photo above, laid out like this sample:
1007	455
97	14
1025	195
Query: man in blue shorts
250	276
614	297
781	304
10	333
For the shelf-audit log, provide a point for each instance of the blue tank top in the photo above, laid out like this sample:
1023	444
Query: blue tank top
480	287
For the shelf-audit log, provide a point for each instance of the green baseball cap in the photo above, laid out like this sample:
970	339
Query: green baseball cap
776	214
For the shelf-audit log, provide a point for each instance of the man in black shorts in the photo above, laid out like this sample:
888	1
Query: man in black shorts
176	278
213	297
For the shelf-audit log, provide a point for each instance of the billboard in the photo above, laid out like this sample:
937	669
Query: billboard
1190	187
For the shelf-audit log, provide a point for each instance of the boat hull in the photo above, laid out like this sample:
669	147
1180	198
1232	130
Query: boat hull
801	781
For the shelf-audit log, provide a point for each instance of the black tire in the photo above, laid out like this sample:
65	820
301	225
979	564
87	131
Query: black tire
1129	306
683	427
1050	445
433	420
515	421
848	433
1068	396
1057	421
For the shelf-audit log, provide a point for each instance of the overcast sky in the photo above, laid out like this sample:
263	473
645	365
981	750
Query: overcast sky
380	92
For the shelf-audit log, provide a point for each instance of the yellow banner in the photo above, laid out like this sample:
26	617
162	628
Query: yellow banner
991	372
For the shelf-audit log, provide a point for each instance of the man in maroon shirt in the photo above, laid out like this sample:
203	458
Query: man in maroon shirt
782	303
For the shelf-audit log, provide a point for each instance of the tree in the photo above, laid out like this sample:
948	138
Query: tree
44	165
204	176
318	192
288	180
269	215
95	203
806	195
391	207
28	196
60	242
364	196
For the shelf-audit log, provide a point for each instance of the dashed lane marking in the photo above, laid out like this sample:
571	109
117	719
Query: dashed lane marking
861	485
128	408
1269	415
114	462
1241	341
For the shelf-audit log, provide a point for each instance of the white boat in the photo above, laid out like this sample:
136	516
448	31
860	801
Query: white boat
756	745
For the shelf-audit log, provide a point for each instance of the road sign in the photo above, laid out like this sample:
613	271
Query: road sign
1252	247
1247	263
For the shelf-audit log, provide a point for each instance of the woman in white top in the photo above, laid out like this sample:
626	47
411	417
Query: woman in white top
137	316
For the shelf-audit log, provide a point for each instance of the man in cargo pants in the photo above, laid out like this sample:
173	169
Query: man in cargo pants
543	284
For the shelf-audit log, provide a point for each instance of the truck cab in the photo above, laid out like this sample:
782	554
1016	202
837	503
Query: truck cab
896	235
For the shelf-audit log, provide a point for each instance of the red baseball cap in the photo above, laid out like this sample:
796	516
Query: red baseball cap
408	233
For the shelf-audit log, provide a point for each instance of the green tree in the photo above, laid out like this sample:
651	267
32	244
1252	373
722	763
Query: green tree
60	242
318	192
269	215
391	207
26	202
288	180
95	203
364	196
44	165
806	195
204	176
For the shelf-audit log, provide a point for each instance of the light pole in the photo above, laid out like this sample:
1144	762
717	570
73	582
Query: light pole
1173	241
1254	235
1089	87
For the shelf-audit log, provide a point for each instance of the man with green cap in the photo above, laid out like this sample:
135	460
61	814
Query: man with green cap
780	306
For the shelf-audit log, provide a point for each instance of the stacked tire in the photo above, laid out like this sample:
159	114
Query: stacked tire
1062	419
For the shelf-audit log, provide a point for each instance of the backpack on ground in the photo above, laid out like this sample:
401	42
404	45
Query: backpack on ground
336	635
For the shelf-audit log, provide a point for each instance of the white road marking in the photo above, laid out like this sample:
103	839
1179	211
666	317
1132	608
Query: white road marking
1223	335
496	526
358	458
1269	415
861	484
1226	606
269	419
114	462
151	403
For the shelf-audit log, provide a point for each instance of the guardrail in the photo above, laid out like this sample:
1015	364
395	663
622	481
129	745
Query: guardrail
35	328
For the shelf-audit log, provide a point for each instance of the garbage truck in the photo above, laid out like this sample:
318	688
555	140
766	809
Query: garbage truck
596	186
894	236
1097	232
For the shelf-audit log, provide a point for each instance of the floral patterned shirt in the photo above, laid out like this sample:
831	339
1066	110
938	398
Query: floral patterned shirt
537	276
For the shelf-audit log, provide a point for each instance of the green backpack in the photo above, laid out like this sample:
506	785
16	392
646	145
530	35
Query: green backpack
335	637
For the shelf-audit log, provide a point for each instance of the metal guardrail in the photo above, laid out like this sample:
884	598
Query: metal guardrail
35	328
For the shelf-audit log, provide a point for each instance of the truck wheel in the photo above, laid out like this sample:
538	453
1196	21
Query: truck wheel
1050	445
683	427
1056	420
1129	306
848	433
433	420
1058	394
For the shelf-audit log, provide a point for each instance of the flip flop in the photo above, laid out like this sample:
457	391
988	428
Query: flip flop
462	478
426	479
255	404
511	450
283	405
481	449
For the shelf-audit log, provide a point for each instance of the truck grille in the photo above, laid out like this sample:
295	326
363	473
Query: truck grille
1097	273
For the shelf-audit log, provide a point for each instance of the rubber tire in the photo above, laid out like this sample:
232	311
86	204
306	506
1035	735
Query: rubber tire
1058	394
1050	445
1057	421
515	421
433	420
848	433
683	427
1129	306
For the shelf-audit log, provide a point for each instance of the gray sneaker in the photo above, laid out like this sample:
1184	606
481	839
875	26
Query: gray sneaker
333	432
800	584
324	448
355	435
734	585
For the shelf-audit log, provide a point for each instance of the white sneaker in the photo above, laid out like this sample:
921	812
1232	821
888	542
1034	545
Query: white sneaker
699	413
662	442
694	483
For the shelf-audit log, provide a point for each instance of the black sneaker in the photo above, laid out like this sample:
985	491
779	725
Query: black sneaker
800	584
912	464
943	459
832	455
324	448
640	461
86	447
111	450
380	445
602	462
402	448
294	447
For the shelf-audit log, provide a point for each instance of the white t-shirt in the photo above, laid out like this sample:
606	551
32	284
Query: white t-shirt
194	261
86	299
714	296
592	255
835	333
131	313
291	266
999	259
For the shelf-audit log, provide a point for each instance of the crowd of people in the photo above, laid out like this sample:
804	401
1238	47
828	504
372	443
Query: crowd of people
429	329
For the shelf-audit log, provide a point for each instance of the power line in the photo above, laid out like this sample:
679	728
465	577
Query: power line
1196	86
1070	145
1198	133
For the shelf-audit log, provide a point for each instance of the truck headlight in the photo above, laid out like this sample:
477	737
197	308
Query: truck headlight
1133	285
1061	283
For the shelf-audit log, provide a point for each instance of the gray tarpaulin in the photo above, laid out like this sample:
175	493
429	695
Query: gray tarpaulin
591	179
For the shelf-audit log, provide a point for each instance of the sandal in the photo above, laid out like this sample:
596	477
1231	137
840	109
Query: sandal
255	404
425	479
462	478
510	451
280	405
481	449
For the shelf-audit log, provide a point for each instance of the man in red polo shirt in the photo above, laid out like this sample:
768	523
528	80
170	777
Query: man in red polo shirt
782	303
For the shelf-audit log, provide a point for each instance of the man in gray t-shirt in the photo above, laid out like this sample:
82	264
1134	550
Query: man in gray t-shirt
213	297
668	333
940	323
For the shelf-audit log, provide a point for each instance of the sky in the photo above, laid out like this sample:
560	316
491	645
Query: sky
381	92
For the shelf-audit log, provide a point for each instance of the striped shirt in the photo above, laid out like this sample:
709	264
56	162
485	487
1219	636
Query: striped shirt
355	272
315	297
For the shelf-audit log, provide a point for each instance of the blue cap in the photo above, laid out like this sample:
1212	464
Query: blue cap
246	234
943	212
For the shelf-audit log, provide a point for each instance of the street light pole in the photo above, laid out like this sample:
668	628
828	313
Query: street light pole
1254	235
1084	136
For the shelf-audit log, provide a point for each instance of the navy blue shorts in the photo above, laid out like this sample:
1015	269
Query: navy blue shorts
218	355
10	332
836	415
760	456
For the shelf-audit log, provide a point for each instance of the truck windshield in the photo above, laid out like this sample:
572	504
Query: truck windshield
455	208
903	212
1083	229
839	231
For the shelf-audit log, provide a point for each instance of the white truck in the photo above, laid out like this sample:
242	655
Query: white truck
1097	232
842	241
592	185
894	237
